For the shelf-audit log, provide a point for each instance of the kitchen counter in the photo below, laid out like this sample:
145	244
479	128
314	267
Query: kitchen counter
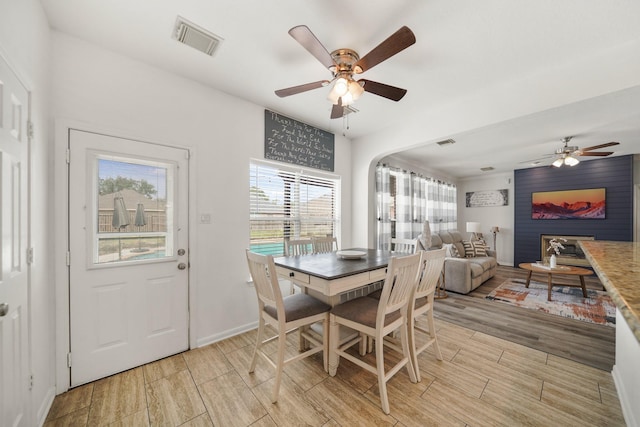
617	264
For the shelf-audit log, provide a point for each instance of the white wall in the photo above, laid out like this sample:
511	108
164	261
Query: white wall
501	216
24	41
99	90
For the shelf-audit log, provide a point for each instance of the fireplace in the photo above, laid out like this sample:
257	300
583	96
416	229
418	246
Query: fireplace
571	254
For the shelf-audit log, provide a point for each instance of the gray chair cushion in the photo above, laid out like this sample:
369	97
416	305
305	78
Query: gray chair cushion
298	306
363	310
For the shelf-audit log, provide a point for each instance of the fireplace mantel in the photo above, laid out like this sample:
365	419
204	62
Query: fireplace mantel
572	254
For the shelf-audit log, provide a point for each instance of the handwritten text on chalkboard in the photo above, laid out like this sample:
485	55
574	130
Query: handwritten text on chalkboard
290	141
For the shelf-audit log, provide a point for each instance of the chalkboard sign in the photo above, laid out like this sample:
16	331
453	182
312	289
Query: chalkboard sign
290	141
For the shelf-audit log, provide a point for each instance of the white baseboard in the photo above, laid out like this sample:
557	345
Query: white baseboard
45	406
627	409
201	342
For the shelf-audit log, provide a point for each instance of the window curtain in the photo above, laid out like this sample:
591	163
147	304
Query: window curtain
383	203
441	205
417	199
404	205
419	204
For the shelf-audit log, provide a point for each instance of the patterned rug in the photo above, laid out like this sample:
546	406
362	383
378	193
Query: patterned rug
565	301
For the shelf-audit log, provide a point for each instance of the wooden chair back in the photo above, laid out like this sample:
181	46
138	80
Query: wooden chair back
298	247
399	286
431	267
323	245
407	246
265	281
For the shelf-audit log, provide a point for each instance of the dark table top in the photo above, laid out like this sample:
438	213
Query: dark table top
330	266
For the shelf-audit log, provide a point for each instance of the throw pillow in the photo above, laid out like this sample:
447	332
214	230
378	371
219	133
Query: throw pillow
479	248
468	249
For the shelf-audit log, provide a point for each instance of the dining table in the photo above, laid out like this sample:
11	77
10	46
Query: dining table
328	275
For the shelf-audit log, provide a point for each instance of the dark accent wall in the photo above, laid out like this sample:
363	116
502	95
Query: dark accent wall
614	173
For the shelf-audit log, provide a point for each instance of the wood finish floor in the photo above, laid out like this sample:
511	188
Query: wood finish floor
587	343
484	380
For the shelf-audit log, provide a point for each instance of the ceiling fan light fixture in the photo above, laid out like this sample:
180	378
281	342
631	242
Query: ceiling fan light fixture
347	89
558	162
571	161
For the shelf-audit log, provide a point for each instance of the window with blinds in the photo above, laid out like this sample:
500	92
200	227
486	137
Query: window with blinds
289	204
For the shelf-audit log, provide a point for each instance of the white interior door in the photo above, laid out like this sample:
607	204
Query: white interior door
128	226
14	335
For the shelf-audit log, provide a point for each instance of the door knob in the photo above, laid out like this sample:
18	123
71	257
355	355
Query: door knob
181	252
4	309
182	266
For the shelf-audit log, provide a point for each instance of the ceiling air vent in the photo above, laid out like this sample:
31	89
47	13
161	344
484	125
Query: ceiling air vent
486	168
446	142
198	38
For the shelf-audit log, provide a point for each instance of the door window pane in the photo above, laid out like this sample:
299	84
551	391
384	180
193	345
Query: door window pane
134	210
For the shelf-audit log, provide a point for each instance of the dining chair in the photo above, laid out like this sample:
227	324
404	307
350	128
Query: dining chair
323	245
409	246
294	247
431	265
294	312
377	318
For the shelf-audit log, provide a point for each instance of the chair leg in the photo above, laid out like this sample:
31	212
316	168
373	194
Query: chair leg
282	343
259	339
325	344
411	332
432	334
382	383
407	353
334	340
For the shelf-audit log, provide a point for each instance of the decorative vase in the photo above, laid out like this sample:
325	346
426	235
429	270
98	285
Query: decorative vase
552	261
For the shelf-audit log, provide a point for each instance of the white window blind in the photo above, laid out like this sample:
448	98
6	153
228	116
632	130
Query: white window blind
289	203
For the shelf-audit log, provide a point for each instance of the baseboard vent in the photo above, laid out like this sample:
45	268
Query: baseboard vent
196	37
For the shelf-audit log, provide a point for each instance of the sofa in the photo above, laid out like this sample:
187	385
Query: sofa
465	268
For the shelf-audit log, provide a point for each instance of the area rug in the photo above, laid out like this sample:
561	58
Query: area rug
565	301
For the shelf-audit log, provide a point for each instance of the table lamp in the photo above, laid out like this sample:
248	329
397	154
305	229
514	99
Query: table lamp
475	229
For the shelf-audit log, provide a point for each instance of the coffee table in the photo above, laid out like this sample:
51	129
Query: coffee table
569	270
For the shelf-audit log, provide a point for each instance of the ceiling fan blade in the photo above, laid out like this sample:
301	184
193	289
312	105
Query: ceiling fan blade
337	110
398	41
595	147
595	153
538	159
309	41
390	92
301	88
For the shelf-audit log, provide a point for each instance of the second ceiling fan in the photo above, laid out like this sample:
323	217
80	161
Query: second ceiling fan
344	63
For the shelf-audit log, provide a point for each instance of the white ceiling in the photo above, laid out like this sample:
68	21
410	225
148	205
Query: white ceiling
462	47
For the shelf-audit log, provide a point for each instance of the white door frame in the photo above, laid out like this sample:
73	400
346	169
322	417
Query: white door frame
61	236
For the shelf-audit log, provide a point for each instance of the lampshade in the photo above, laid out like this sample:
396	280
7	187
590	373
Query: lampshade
473	227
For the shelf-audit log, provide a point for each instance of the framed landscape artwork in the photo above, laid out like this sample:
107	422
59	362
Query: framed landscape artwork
569	204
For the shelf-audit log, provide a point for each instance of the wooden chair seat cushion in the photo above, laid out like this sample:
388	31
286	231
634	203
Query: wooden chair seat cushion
363	310
298	306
